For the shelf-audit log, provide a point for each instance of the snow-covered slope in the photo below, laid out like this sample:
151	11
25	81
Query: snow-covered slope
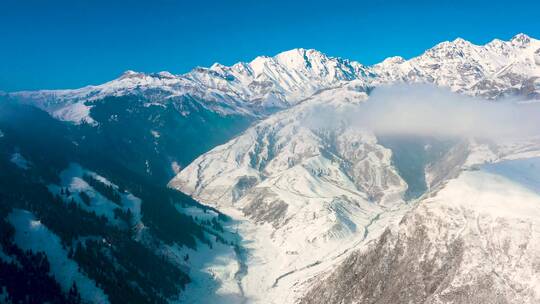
74	182
283	142
155	89
474	241
69	231
269	83
31	234
307	188
303	193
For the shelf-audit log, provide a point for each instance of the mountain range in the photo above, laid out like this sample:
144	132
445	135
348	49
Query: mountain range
266	84
246	184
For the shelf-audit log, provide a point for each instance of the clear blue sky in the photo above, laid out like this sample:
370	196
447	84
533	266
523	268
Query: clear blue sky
48	44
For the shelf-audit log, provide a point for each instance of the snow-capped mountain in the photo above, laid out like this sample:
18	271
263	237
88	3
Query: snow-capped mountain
303	194
309	195
306	192
307	187
474	241
155	89
492	70
267	84
282	80
258	87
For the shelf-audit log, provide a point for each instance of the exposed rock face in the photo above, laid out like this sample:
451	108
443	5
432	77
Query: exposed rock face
476	241
265	207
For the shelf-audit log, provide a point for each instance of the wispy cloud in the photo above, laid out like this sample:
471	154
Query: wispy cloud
429	111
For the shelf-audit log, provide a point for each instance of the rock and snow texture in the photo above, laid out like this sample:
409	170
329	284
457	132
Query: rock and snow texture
31	235
477	240
291	144
302	194
492	70
261	86
306	193
268	83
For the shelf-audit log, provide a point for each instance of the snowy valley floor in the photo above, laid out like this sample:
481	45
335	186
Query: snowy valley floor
265	271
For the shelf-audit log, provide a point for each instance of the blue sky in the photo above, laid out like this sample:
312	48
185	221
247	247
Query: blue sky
50	44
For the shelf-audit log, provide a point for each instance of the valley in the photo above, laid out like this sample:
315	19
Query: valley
281	180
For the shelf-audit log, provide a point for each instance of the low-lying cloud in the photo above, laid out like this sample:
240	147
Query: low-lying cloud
429	111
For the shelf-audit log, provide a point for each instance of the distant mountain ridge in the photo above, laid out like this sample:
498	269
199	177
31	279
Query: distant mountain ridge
498	68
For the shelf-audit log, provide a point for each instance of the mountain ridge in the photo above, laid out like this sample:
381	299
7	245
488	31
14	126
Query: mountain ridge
289	188
307	187
269	83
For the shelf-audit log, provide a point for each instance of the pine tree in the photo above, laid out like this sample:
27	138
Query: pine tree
74	297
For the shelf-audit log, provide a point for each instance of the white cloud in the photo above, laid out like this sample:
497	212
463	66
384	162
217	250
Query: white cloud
429	111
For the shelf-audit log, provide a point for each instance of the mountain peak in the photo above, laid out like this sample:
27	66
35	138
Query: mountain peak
449	49
300	55
393	60
520	39
131	74
301	52
298	58
166	74
216	66
460	41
